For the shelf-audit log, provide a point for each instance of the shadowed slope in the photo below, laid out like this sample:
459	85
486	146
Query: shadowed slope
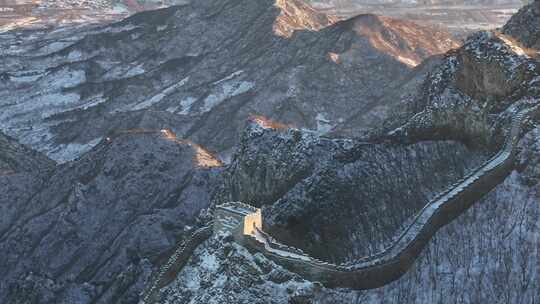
102	220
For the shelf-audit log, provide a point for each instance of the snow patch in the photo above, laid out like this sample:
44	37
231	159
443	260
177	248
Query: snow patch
190	278
324	125
68	152
233	75
186	104
53	47
135	71
65	79
75	55
92	102
226	91
209	262
54	103
135	36
158	97
25	78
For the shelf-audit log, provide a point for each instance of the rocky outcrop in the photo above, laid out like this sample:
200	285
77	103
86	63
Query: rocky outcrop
525	26
491	66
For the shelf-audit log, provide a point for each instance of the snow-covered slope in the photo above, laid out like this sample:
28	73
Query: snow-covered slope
94	229
63	90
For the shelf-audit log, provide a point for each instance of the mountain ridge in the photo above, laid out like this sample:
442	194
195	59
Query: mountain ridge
104	77
94	228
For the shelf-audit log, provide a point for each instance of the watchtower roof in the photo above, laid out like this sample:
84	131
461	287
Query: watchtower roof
237	208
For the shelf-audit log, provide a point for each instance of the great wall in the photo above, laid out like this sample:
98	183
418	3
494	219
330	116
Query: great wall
244	222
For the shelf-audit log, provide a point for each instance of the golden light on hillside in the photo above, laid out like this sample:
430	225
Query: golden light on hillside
297	15
203	157
334	57
267	123
517	47
20	22
169	134
411	62
403	40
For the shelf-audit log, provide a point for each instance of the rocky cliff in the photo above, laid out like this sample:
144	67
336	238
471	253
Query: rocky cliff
524	26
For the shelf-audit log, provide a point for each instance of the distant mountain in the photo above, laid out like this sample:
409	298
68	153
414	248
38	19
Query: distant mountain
64	92
129	5
418	2
461	18
37	14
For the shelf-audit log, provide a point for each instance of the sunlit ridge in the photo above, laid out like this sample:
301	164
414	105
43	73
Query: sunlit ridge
267	123
203	157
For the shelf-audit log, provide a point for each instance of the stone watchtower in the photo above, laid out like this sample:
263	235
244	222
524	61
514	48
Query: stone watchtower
239	219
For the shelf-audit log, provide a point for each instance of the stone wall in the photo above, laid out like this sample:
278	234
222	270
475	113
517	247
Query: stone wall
380	269
167	272
245	224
